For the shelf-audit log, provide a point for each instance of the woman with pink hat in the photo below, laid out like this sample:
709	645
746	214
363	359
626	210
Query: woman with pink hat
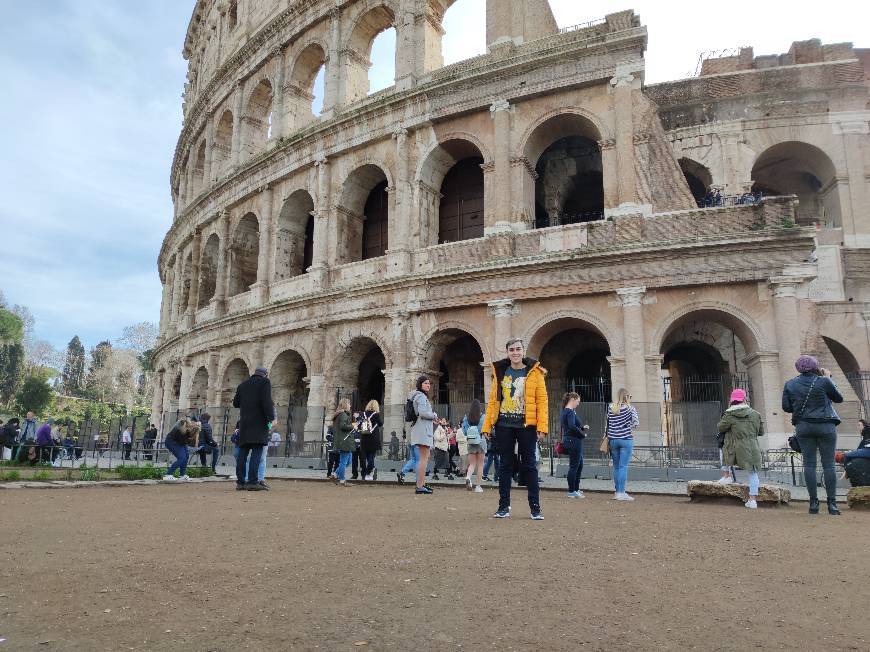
742	428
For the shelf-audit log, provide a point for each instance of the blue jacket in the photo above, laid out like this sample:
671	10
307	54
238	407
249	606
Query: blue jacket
818	408
572	425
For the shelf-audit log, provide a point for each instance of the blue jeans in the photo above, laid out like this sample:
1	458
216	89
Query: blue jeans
620	451
525	440
491	456
575	461
215	453
180	452
344	458
411	464
248	463
261	470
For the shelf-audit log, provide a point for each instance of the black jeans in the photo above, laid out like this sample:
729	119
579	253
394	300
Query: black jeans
821	437
525	439
331	462
575	461
256	452
215	452
368	466
357	461
128	448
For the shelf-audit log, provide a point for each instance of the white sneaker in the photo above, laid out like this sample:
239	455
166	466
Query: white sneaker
726	480
168	478
751	504
579	494
369	478
184	478
624	497
478	489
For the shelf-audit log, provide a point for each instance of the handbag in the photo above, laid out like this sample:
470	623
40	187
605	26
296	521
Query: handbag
560	449
793	441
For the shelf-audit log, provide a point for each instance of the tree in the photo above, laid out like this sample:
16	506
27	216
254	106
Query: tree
97	381
11	327
74	367
35	394
11	370
139	337
42	358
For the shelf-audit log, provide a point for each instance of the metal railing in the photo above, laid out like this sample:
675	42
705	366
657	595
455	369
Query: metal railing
579	26
714	199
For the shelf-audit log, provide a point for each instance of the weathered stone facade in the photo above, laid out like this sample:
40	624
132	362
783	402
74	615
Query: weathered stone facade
540	190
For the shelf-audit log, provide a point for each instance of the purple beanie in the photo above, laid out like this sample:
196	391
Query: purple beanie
806	363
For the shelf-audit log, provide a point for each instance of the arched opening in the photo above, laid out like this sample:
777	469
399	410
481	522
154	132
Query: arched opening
199	169
699	179
245	253
795	168
186	280
459	43
302	90
370	58
223	143
290	394
360	374
363	215
295	238
234	375
703	362
258	118
208	264
570	185
457	360
199	389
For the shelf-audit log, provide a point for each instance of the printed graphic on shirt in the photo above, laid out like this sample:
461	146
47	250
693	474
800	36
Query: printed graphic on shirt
513	401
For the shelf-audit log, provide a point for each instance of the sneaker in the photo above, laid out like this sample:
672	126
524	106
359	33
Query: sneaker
624	497
334	478
725	480
450	476
478	489
184	478
342	483
503	512
264	485
256	487
369	478
468	484
486	478
536	514
580	494
751	504
435	477
168	478
424	490
573	494
240	487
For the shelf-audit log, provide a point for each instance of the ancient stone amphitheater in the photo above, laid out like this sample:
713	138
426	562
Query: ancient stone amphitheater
677	239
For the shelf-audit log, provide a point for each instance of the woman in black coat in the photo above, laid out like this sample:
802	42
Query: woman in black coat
256	414
371	430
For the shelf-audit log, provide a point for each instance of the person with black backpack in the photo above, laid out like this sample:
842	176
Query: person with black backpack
472	428
370	427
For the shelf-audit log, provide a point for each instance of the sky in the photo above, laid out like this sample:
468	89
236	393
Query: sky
93	111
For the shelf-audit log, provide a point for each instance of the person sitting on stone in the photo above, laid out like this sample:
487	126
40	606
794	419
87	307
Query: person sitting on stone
863	449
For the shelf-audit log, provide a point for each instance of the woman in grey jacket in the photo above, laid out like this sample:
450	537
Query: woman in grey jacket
422	431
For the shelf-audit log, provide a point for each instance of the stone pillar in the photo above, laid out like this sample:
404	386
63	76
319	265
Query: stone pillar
193	295
166	303
278	114
317	399
400	219
177	309
617	372
157	401
609	168
853	129
653	368
735	178
214	381
333	82
168	382
785	312
765	375
264	257
209	154
633	341
184	394
319	269
622	89
501	116
502	311
235	153
223	267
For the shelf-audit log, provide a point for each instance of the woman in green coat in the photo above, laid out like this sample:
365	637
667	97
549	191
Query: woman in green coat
343	439
742	427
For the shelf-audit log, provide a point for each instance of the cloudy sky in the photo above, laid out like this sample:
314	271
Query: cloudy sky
93	110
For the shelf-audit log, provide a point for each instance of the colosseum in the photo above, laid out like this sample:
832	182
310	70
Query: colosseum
677	239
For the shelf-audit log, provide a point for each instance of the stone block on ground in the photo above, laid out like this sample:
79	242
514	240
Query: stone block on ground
700	490
858	498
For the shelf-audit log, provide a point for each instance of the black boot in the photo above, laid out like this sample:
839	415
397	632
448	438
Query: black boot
833	510
814	505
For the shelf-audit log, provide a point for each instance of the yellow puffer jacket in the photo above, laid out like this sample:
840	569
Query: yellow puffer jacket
537	408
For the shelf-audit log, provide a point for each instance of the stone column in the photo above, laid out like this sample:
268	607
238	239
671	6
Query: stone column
400	219
278	109
264	256
735	178
235	153
168	382
853	129
214	381
209	154
502	310
609	168
184	394
765	375
177	309
193	295
157	401
223	267
633	341
785	312
319	263
166	303
501	116
653	368
317	399
622	88
333	83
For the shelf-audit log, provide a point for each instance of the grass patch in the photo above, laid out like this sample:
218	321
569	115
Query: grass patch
146	472
41	476
11	476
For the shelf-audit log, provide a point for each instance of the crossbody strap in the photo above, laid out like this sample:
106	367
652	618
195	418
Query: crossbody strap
806	398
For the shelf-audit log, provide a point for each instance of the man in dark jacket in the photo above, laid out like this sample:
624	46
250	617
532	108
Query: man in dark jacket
207	444
256	412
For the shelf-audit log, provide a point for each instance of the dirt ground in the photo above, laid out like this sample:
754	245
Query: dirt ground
315	566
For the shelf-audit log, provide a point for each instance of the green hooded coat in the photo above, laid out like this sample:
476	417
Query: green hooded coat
742	427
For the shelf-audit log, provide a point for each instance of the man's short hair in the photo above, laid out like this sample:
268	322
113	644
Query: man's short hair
512	341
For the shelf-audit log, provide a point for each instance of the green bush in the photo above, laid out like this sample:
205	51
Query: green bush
200	472
12	476
41	476
146	472
88	474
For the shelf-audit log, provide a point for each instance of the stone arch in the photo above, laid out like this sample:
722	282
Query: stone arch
422	352
454	358
359	369
208	265
364	212
198	395
530	141
199	180
288	373
306	66
223	141
361	332
186	281
257	118
425	168
727	314
373	19
244	254
538	334
698	177
845	359
294	246
236	371
799	168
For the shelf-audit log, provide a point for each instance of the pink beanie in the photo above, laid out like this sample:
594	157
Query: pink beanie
738	396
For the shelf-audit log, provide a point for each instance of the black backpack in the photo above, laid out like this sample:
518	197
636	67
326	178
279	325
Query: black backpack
410	412
858	471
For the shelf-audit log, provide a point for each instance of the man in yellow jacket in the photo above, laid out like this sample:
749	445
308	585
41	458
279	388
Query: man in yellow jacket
517	416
